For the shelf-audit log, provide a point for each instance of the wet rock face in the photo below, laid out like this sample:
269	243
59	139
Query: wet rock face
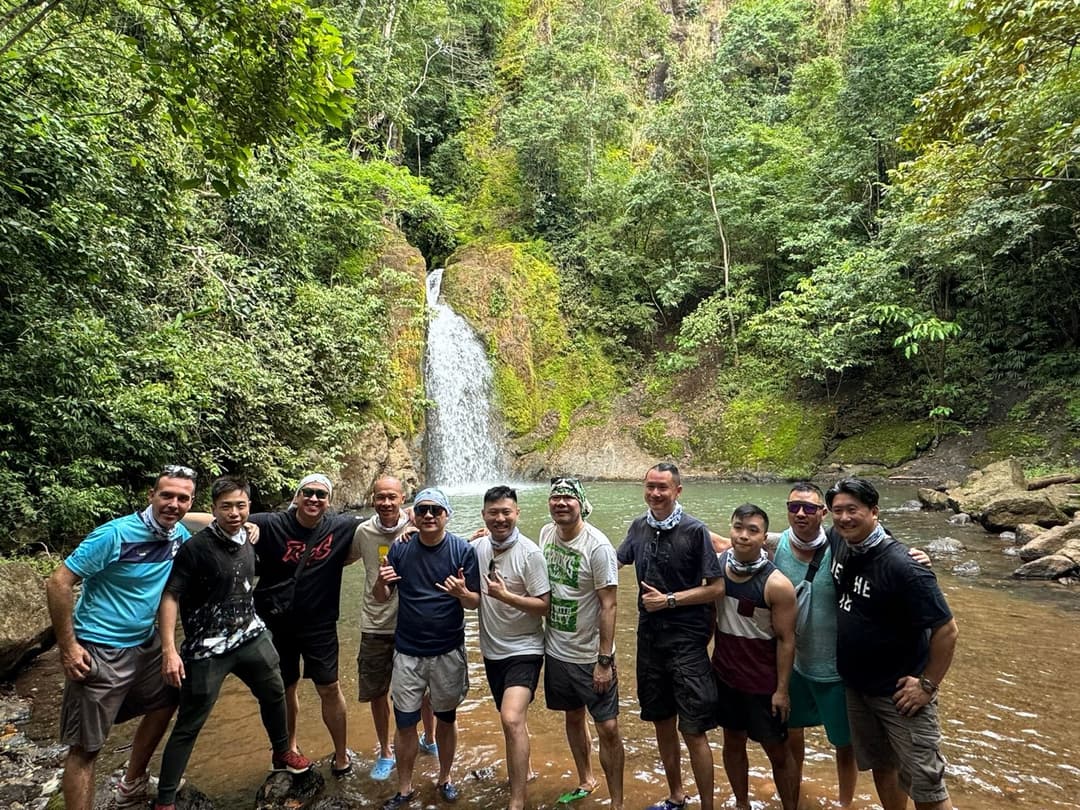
25	628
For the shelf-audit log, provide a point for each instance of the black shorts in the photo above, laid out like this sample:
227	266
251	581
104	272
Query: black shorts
318	646
677	680
749	713
517	670
569	686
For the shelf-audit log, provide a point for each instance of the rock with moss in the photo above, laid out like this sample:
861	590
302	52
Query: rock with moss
885	444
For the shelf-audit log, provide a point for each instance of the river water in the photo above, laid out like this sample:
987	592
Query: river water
1009	706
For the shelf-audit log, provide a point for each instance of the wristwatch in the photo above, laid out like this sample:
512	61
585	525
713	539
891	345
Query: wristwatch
605	660
671	600
927	685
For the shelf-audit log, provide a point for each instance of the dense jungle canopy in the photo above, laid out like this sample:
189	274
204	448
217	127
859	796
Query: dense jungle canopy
855	203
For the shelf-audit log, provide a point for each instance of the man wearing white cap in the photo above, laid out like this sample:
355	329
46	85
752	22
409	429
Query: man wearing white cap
436	577
307	547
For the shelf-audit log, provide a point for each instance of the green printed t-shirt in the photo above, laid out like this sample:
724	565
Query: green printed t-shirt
577	570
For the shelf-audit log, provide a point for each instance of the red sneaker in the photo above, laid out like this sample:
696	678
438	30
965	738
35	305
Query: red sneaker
292	762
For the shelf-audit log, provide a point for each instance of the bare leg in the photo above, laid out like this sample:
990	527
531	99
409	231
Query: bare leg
847	774
796	743
148	734
380	717
890	794
783	768
944	804
292	711
78	781
446	738
515	705
667	743
701	761
737	767
334	718
427	716
612	759
406	744
577	735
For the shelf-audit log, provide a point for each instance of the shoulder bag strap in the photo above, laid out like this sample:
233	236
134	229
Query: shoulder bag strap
815	563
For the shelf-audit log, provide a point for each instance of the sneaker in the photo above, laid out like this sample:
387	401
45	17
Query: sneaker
137	793
428	746
668	804
449	791
399	800
292	762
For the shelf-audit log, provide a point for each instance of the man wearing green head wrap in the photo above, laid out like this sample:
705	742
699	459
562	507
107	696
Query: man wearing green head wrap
579	667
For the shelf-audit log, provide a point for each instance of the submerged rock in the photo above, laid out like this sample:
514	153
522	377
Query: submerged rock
29	773
286	791
945	545
962	519
1007	537
968	568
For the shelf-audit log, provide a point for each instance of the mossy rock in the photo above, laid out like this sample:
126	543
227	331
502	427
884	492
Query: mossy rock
653	437
761	435
886	444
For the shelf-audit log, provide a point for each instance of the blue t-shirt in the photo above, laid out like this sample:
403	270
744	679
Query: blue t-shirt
431	621
124	568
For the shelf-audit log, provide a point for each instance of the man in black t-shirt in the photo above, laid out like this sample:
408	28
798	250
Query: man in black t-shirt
211	582
895	642
679	579
309	630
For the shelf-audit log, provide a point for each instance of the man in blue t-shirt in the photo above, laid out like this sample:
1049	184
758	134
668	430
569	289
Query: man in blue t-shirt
436	577
109	648
895	642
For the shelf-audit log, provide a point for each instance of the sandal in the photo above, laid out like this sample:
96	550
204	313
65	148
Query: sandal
343	771
575	794
382	769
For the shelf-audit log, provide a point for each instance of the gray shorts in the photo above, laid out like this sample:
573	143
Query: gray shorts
884	738
123	682
569	686
445	676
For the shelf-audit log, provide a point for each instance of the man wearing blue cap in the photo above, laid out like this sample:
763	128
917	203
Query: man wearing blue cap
436	577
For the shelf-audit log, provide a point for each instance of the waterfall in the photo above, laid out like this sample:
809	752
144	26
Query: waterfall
461	439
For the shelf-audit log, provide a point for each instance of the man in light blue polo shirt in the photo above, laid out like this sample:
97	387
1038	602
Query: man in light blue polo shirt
109	648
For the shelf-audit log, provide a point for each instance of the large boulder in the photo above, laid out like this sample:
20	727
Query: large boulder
284	791
372	453
987	484
933	499
1012	509
1052	566
25	628
1051	541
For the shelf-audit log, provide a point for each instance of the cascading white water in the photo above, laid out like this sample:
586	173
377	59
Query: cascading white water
461	444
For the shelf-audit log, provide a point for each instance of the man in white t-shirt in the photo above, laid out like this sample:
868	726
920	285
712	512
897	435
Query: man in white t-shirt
514	598
579	666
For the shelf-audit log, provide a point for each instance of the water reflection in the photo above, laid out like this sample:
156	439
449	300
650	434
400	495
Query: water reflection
1008	706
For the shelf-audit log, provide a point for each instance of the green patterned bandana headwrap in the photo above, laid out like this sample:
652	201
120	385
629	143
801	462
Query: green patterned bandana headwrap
573	488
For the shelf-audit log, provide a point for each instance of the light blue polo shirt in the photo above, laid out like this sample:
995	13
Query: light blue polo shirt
124	568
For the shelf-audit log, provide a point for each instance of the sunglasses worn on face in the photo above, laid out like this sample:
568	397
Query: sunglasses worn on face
425	509
810	509
318	494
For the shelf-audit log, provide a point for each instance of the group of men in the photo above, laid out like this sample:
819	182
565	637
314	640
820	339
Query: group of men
875	636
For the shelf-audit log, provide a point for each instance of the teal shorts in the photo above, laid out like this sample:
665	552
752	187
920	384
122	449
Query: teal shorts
816	703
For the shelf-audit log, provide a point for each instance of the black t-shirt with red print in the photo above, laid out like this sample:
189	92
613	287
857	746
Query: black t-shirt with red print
281	545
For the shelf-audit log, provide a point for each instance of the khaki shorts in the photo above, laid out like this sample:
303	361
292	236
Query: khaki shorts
123	682
885	739
374	665
445	676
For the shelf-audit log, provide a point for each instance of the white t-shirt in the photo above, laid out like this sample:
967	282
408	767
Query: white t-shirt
577	570
505	630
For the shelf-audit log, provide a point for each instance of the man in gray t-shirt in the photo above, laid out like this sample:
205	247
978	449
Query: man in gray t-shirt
514	598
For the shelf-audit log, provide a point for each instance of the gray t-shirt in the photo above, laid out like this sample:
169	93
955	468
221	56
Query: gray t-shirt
577	570
505	630
370	545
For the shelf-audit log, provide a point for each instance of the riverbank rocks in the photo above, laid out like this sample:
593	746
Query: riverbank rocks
1053	566
998	498
284	791
1051	541
25	628
933	499
1052	554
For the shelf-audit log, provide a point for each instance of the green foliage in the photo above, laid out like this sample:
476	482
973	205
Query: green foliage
655	440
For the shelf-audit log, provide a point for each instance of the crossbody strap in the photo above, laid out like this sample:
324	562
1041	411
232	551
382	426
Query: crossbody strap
815	563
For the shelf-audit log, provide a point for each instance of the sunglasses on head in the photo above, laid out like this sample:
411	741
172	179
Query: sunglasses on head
425	509
318	494
177	471
810	509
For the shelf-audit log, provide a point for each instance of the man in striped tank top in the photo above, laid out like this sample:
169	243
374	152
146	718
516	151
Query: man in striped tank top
753	655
